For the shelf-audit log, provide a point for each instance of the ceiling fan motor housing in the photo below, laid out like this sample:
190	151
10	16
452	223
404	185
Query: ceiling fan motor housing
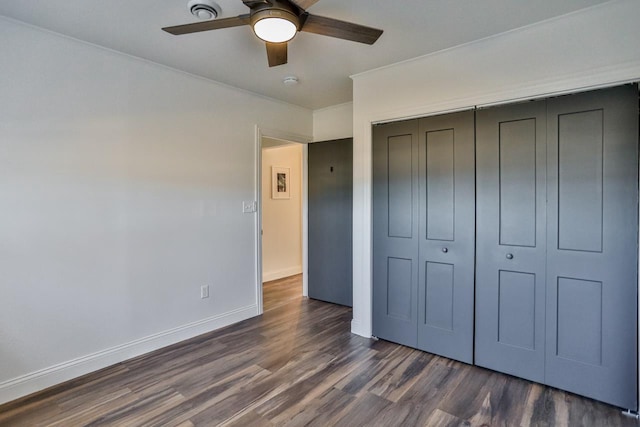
275	13
204	9
275	9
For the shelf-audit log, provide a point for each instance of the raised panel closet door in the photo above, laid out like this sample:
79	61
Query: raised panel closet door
447	234
511	235
592	245
395	231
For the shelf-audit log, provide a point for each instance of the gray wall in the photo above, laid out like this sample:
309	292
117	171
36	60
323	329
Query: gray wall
121	186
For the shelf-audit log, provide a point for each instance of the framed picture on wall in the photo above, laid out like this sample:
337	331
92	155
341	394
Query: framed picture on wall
280	182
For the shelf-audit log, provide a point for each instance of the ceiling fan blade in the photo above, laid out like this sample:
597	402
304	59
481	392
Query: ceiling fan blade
304	4
277	54
340	29
215	24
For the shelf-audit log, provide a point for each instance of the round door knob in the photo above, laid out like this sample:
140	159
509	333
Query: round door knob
445	250
509	256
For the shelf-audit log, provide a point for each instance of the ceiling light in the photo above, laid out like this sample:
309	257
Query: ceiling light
275	26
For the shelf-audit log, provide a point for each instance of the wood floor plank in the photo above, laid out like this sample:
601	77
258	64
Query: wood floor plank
285	405
283	408
86	414
544	409
364	411
509	407
140	411
394	382
466	399
209	397
250	419
299	365
322	410
443	419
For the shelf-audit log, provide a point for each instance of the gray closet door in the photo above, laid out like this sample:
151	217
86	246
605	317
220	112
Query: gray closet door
446	230
330	201
395	232
511	239
592	245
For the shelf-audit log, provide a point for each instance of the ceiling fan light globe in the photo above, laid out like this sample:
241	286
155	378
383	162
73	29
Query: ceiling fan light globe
275	26
275	30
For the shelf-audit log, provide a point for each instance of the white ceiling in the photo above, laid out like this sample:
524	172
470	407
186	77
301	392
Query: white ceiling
236	57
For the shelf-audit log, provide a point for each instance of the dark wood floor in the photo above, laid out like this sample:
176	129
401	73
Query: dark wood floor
299	365
279	292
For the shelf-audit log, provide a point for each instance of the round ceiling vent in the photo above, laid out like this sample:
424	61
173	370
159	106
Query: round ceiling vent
204	9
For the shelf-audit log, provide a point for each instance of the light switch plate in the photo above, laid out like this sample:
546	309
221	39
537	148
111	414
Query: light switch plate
249	207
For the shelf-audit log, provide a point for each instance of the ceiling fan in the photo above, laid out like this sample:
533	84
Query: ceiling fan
277	21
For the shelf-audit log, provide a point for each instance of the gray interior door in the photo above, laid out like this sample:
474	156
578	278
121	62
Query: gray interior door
330	202
395	232
592	245
511	239
446	230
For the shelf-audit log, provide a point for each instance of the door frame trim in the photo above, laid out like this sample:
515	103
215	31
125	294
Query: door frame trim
304	140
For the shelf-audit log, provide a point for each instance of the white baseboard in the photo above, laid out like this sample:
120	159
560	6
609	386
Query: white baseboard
275	275
357	329
44	378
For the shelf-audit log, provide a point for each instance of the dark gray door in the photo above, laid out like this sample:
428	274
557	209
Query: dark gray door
446	230
395	232
592	245
511	239
330	201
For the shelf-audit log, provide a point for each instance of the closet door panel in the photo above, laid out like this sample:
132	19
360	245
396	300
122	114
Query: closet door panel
400	186
439	295
592	245
516	309
580	181
510	260
517	182
446	185
395	231
440	185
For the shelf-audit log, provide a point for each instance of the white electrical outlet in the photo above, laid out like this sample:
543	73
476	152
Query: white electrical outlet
204	291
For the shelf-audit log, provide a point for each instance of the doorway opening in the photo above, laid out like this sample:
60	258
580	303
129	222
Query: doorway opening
282	221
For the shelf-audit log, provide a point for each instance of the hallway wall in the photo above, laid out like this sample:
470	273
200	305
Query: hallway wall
282	219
